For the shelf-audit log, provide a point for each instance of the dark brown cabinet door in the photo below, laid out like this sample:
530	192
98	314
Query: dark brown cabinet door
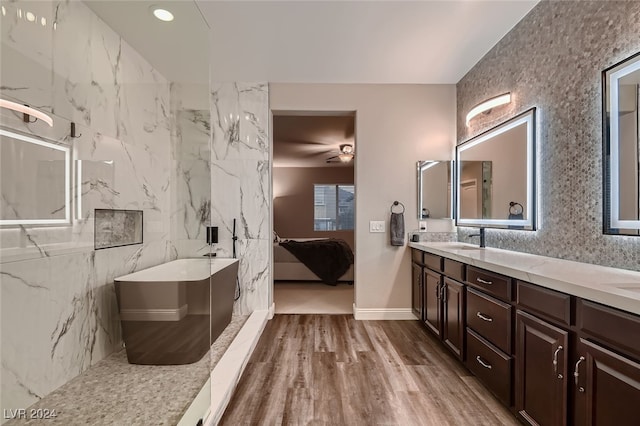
607	387
416	290
431	296
453	324
541	371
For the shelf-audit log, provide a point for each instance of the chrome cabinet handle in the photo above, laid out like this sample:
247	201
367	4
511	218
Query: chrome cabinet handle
482	363
438	291
555	362
576	374
481	281
484	317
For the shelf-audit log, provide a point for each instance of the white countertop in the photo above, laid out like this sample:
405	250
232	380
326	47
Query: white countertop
618	288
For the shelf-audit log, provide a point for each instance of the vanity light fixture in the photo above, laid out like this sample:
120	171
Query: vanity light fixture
162	14
488	105
27	111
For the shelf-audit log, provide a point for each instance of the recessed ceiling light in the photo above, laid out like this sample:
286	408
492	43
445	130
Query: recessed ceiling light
30	17
162	14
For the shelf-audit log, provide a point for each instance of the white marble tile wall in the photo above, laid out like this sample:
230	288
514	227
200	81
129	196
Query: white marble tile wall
240	184
27	53
59	313
191	195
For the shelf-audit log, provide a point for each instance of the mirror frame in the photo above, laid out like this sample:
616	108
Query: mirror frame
67	181
422	166
612	224
530	223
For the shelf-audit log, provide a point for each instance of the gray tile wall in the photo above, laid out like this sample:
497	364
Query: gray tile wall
553	60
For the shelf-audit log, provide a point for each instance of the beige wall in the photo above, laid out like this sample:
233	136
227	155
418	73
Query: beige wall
293	200
396	125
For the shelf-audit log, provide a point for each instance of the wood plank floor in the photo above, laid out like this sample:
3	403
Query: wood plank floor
333	370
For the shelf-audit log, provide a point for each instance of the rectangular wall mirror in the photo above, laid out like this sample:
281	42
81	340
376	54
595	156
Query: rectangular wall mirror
435	179
35	181
495	176
621	96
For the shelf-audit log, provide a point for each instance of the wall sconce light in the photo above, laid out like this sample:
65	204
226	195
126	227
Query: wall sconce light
27	111
488	105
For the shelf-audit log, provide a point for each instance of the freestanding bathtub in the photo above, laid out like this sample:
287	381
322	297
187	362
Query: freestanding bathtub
172	313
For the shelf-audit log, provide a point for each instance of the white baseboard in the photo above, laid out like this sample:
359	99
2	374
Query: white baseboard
272	311
383	313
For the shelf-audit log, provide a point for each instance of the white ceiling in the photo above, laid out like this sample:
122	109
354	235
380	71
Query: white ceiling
423	42
355	41
179	49
395	42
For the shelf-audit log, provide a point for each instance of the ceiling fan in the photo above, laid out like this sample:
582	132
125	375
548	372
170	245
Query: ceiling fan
346	154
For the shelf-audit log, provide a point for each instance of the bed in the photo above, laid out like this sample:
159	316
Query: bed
288	267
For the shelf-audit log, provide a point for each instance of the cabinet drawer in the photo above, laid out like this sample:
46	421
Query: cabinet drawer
433	261
417	256
551	303
617	328
490	318
454	269
490	365
495	284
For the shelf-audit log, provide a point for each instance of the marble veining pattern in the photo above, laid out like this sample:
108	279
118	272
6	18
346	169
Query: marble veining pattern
192	175
240	184
123	393
553	60
53	284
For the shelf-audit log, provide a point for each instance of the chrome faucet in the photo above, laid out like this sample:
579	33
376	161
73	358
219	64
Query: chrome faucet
482	238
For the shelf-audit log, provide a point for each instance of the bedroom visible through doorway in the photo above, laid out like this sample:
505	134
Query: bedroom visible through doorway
314	201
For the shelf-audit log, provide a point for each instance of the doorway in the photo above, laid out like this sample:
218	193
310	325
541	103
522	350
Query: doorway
313	181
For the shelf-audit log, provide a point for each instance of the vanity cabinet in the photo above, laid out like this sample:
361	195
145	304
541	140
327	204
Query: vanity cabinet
489	330
606	368
416	290
442	298
453	320
432	298
541	371
607	387
551	357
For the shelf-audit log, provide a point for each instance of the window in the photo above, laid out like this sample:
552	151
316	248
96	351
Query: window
333	207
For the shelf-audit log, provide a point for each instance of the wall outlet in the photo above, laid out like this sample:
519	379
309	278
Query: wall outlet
376	226
422	226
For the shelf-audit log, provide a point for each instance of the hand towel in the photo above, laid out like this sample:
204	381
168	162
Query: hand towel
396	229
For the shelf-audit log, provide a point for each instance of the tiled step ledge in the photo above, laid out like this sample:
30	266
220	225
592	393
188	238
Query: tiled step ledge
227	372
116	392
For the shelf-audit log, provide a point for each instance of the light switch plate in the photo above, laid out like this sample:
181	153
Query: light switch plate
422	226
376	226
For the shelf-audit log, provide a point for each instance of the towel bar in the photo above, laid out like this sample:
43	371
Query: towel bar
396	203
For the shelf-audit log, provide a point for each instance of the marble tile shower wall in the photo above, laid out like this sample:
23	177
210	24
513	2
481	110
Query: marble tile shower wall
59	313
240	184
553	60
191	195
